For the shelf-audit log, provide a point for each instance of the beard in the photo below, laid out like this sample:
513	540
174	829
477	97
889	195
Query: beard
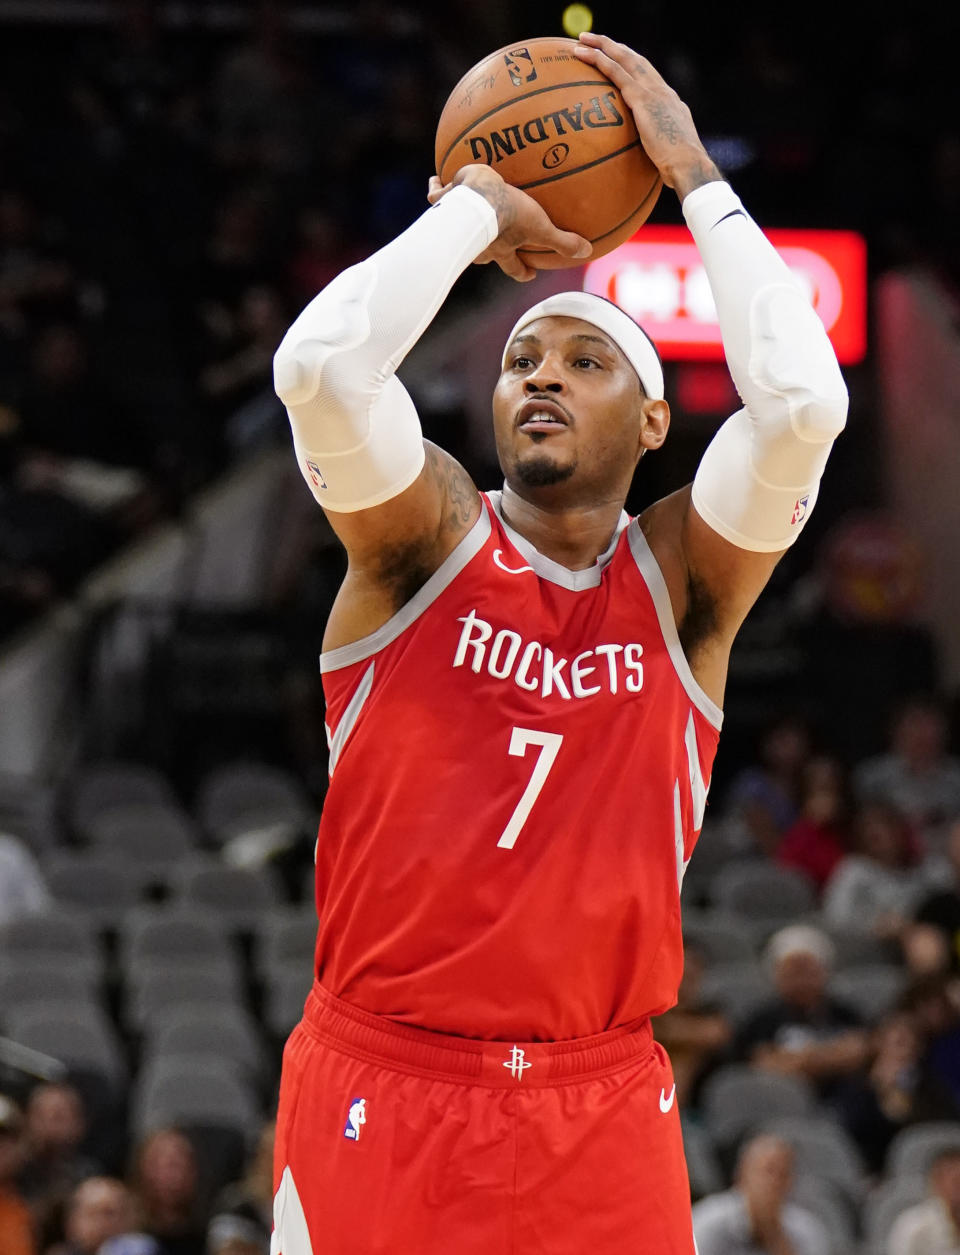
542	471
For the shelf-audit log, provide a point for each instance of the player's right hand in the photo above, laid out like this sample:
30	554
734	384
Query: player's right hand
523	224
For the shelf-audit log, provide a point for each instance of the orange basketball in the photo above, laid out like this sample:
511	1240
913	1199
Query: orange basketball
558	129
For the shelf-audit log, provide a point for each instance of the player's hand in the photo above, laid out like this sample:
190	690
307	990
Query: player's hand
664	122
523	224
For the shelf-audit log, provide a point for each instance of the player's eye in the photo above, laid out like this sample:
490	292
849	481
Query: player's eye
521	362
587	362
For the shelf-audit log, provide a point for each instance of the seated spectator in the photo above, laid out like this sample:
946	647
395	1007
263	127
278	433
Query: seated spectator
233	1235
16	1225
56	1125
762	800
940	909
167	1185
802	1031
23	891
917	776
756	1215
934	1001
817	841
875	888
251	1198
896	1087
98	1209
693	1033
933	1226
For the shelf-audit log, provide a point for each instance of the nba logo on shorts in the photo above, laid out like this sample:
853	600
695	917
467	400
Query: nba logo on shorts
316	478
800	509
356	1118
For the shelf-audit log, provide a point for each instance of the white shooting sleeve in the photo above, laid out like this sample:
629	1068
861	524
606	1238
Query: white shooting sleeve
758	480
356	432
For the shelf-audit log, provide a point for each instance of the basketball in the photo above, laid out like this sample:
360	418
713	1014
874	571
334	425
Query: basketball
558	129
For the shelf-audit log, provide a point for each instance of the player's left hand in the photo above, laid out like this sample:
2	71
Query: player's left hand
664	123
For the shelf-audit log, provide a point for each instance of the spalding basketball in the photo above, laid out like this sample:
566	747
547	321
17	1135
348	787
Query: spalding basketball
557	128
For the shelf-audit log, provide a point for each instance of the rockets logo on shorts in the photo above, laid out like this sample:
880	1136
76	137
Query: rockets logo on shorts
356	1118
800	509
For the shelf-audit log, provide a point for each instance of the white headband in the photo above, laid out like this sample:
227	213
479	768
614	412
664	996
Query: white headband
632	340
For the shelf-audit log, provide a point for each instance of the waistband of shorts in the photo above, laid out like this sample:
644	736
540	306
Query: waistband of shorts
499	1064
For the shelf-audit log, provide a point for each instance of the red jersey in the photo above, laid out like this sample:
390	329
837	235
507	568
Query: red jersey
519	764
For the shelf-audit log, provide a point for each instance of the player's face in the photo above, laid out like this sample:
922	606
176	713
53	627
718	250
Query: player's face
569	408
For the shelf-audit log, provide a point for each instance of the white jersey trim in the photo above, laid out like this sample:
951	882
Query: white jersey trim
656	585
555	572
443	576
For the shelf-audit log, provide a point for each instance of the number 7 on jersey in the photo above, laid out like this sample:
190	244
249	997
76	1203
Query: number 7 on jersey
549	743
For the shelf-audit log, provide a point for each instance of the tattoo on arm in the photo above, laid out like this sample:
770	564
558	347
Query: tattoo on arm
457	490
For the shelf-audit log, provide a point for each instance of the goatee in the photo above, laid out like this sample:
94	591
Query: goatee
541	472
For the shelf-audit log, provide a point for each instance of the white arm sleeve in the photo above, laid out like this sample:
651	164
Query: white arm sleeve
355	429
758	480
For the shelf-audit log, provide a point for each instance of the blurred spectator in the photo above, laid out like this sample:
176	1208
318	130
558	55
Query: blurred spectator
933	1226
802	1031
251	1198
693	1033
131	1244
934	1000
16	1226
895	1088
875	888
917	776
99	1208
756	1215
56	1125
233	1235
940	909
816	842
166	1181
762	800
23	891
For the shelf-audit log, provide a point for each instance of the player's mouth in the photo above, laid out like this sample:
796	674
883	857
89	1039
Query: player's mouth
539	415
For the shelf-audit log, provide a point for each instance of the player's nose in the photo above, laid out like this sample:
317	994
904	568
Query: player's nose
547	376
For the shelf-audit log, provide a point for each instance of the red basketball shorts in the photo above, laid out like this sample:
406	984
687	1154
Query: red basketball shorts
395	1140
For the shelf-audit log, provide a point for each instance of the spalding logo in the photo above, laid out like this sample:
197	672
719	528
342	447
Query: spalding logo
556	156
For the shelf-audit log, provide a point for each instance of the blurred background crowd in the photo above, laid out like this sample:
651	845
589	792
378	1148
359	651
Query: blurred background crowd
176	181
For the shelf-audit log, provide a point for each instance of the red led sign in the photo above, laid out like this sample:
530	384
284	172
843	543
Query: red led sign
658	278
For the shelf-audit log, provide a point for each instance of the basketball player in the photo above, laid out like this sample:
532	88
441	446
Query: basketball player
523	700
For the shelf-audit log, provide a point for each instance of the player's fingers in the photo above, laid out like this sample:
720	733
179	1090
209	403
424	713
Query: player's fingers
618	62
517	269
436	189
569	243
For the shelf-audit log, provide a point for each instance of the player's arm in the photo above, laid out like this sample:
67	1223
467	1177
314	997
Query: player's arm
758	480
396	507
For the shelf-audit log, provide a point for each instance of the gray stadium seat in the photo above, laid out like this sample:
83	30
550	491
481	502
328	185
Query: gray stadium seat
175	933
913	1149
871	989
157	833
240	797
737	1099
286	939
225	1032
238	897
44	979
57	934
200	1093
884	1204
284	997
99	787
819	1196
722	938
763	893
77	1033
101	889
152	997
703	1163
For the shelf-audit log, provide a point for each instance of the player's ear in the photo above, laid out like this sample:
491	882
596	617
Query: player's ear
655	423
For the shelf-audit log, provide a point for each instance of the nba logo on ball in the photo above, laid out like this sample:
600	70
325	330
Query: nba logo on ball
520	67
356	1118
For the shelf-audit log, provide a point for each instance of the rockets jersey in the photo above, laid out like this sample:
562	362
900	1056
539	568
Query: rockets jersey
519	765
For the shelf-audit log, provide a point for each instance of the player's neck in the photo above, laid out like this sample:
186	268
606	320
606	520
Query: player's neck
573	535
